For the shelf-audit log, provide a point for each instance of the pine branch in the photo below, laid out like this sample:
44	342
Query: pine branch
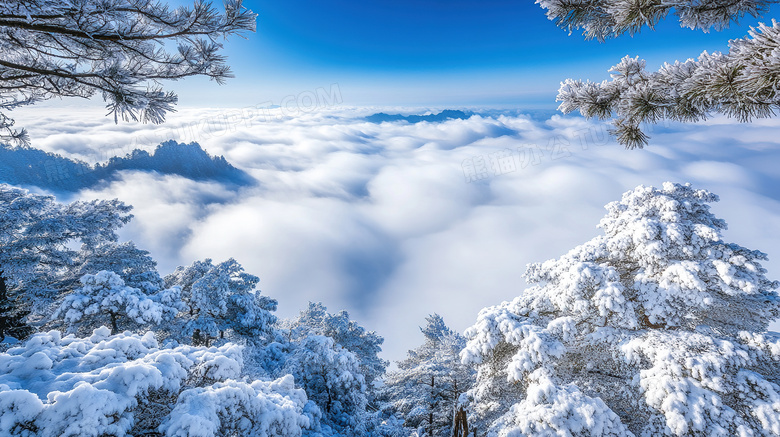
602	19
742	84
114	47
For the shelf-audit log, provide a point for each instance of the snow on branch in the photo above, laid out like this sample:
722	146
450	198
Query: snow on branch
741	84
104	297
602	19
115	48
129	385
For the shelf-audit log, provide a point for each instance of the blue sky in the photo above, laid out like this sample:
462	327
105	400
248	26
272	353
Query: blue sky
428	52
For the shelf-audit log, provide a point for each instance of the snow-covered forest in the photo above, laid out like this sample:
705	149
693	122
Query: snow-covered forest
656	327
659	325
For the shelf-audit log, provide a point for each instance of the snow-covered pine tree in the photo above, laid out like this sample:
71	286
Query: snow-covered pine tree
332	378
366	345
741	84
36	236
105	299
120	49
135	266
657	327
428	383
336	361
220	302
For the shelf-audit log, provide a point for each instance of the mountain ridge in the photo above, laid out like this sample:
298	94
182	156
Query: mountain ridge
30	166
447	114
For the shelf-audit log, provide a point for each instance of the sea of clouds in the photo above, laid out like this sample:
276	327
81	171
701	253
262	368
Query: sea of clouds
395	221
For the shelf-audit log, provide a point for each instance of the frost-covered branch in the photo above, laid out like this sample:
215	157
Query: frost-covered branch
602	19
116	48
741	84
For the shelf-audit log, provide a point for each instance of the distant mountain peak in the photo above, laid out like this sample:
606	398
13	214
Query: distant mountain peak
447	114
28	166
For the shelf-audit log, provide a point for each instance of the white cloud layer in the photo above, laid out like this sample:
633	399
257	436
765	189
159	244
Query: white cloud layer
380	220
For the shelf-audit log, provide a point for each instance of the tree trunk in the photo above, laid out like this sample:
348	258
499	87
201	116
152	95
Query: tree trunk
455	424
327	390
11	313
114	328
460	427
196	339
4	307
3	289
433	405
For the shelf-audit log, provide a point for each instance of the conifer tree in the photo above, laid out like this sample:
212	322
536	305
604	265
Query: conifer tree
219	302
658	327
36	238
427	385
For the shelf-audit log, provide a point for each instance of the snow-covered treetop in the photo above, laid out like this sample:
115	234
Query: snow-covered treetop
435	328
348	333
211	293
104	298
135	266
35	230
603	19
439	352
221	299
682	274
